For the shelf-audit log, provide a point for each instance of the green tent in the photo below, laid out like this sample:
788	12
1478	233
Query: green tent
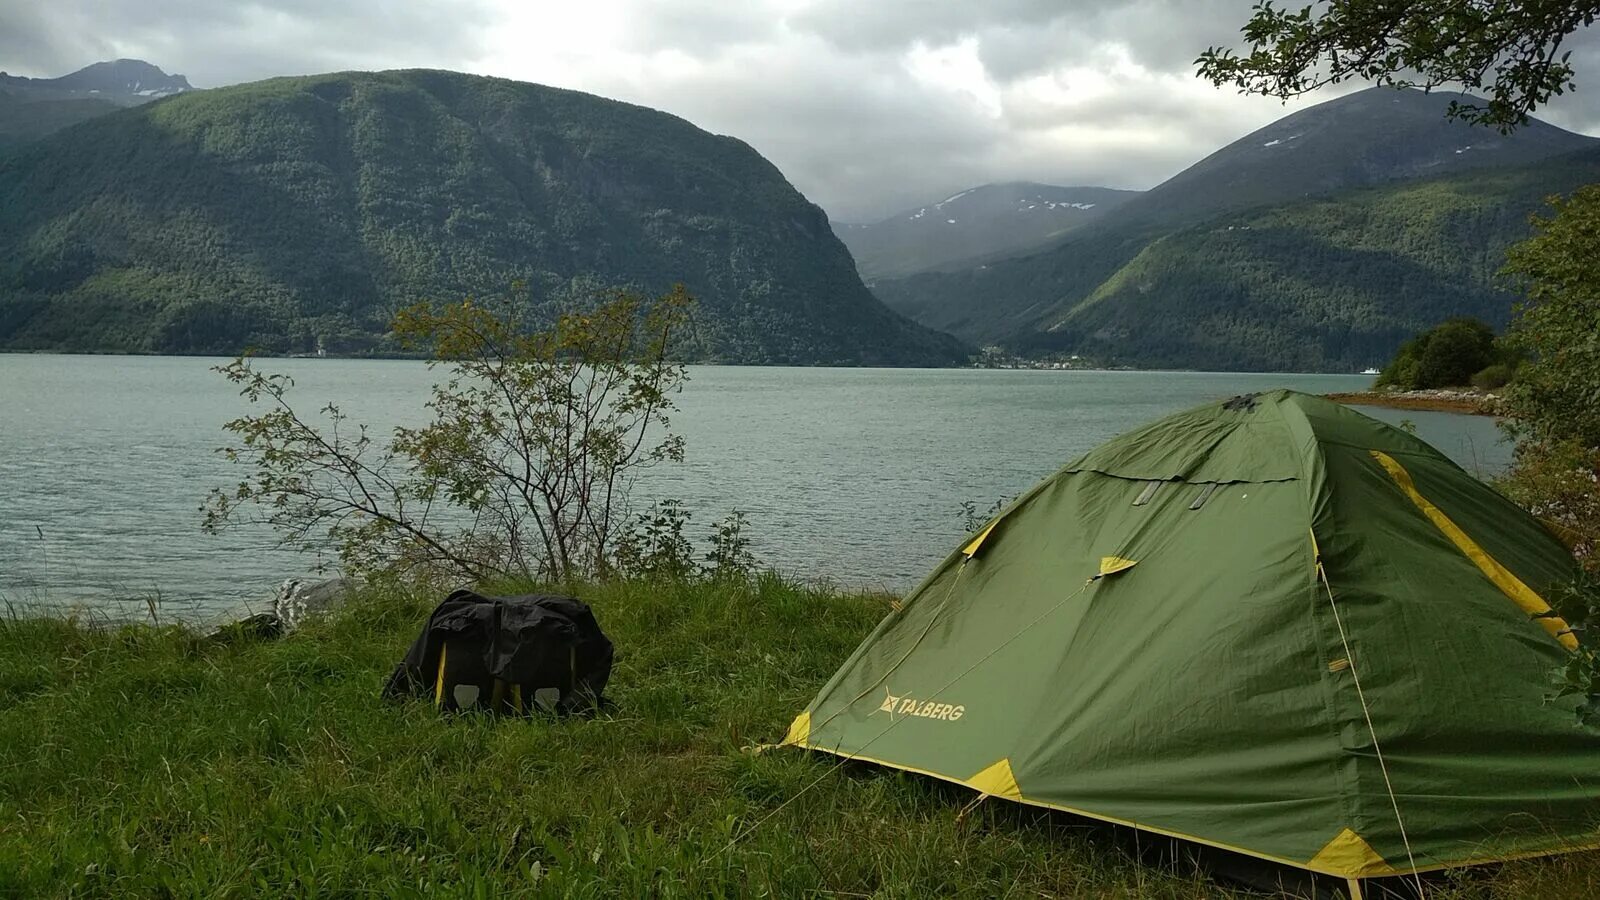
1271	625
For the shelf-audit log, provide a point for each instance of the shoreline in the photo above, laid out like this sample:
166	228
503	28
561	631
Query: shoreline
1462	402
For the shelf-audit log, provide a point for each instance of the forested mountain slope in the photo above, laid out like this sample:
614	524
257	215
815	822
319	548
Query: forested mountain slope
300	212
23	121
1325	285
1160	280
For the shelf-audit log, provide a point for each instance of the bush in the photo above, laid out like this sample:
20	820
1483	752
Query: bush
1555	408
1446	355
524	470
655	547
1557	394
1493	377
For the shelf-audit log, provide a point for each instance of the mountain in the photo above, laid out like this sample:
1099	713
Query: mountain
1334	284
125	82
31	108
1370	137
300	212
1366	140
981	223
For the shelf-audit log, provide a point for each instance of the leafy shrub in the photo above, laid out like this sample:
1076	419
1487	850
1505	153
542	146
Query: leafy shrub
1555	408
1446	355
1557	393
730	556
1559	482
655	545
1579	604
523	471
1493	377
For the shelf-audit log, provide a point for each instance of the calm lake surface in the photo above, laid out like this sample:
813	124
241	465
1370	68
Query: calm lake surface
854	475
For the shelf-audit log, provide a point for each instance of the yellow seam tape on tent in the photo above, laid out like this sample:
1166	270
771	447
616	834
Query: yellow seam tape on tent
1520	594
997	781
438	686
975	543
1351	857
799	730
1111	565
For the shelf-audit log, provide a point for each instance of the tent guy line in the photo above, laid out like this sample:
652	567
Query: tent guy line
1366	713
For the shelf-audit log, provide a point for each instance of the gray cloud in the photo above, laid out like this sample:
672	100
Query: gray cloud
868	108
856	26
224	43
852	136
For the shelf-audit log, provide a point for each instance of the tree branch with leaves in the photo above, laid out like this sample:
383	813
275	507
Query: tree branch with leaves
1509	49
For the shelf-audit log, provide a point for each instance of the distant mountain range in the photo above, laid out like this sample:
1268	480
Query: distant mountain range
1316	243
31	108
975	225
299	213
125	82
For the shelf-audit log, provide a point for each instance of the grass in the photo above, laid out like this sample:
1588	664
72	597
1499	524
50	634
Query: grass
143	761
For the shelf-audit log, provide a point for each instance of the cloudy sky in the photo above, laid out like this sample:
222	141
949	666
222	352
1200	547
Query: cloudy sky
869	106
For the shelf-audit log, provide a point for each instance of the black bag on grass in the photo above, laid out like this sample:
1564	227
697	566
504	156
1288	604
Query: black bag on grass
515	655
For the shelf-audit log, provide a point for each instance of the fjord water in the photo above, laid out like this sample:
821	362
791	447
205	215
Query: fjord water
854	475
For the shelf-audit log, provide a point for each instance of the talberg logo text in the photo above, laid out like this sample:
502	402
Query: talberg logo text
922	709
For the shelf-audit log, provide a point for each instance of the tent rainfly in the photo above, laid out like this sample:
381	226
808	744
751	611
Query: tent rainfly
1271	625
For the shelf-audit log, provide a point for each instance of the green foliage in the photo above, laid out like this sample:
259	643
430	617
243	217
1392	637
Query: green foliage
1511	47
1557	396
298	214
143	762
730	556
1558	480
1579	603
1494	376
654	546
525	468
1446	355
1555	400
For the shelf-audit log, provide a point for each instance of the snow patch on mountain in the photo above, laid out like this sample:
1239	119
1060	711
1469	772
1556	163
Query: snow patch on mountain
1052	204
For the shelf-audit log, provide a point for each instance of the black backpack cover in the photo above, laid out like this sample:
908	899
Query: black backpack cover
515	655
